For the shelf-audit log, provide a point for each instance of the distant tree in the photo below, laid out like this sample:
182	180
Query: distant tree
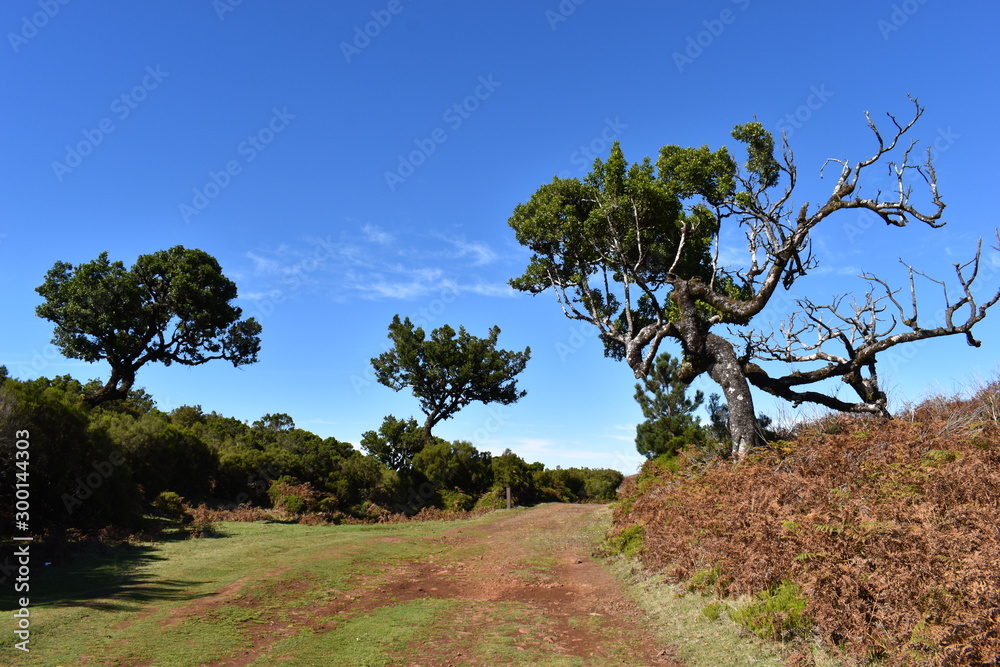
79	475
510	470
221	432
270	429
187	415
361	480
634	250
670	424
172	306
448	371
162	455
274	423
601	484
450	465
396	442
718	423
718	419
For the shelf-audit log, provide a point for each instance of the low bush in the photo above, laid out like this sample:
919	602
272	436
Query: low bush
494	499
628	542
202	523
288	495
777	614
456	501
169	503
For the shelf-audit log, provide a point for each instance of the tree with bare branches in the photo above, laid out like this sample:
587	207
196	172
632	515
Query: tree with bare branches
634	250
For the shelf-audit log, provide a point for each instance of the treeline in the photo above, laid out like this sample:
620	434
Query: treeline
91	467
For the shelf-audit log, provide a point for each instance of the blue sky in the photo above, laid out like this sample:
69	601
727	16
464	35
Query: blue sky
347	161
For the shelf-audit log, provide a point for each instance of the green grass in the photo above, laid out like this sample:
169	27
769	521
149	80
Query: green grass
135	603
374	638
679	618
628	542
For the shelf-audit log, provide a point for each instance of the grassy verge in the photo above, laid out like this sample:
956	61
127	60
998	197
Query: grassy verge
699	625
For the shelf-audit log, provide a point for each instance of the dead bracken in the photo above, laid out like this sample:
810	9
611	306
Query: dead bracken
887	528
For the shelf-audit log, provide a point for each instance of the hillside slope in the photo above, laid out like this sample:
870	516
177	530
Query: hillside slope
879	539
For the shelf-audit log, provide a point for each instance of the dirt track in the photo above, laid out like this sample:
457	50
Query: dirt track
521	588
539	559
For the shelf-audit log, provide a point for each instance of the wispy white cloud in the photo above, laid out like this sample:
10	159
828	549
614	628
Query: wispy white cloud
264	265
375	234
269	295
402	291
480	253
539	444
733	255
486	289
532	449
373	264
828	270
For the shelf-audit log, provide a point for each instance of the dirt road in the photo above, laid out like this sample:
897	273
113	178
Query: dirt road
535	567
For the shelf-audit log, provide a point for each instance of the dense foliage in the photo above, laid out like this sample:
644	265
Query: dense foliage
670	424
107	465
171	306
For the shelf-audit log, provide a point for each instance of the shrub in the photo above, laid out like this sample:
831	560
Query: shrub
202	524
889	525
777	614
456	501
714	610
495	499
704	581
79	476
628	542
289	496
170	503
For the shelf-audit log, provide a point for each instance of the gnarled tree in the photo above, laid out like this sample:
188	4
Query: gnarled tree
633	249
172	306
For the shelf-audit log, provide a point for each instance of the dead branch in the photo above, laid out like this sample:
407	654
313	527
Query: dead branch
861	330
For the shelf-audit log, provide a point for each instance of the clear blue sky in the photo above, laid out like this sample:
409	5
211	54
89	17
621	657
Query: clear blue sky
341	178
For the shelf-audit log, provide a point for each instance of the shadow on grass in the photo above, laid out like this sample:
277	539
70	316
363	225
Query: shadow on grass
115	578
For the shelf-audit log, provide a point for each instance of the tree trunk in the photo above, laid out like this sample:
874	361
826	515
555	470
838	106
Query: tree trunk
726	370
116	388
428	425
